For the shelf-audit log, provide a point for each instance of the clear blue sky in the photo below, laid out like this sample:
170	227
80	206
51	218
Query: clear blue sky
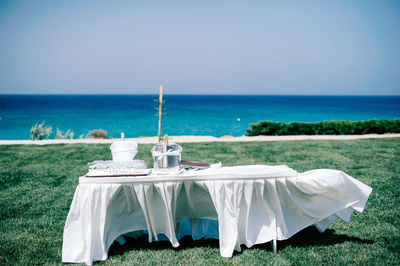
200	47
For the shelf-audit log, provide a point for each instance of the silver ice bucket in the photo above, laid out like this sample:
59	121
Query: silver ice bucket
166	156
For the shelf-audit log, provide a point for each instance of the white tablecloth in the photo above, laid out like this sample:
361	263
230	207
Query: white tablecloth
239	205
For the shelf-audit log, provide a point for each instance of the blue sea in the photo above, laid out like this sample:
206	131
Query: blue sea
215	115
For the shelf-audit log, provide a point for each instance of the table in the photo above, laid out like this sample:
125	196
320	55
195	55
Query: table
239	205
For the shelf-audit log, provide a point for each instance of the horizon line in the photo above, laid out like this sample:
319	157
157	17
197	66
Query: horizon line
186	94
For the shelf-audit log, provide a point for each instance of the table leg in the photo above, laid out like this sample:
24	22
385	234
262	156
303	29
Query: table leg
275	246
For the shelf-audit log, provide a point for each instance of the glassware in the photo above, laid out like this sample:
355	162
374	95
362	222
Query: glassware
166	156
112	167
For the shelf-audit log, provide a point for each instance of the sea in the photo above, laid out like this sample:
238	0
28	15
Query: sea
215	115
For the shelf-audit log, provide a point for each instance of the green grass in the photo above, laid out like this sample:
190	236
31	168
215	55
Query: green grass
37	184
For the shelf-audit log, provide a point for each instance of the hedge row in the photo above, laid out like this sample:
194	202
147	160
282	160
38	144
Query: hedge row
373	126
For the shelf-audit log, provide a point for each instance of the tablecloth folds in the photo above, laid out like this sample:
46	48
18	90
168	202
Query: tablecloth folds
239	205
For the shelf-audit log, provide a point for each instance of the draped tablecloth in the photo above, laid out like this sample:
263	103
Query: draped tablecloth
239	205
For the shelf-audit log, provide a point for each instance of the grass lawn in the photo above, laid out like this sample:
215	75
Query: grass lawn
37	184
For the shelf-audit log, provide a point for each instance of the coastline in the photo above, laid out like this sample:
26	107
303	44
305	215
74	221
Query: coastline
194	139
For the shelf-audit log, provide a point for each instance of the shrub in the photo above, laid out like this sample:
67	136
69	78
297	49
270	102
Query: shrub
373	126
69	134
97	134
40	132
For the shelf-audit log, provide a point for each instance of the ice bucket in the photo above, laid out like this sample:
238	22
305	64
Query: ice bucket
123	150
166	156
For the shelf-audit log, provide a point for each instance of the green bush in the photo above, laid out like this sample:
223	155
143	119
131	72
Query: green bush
373	126
40	132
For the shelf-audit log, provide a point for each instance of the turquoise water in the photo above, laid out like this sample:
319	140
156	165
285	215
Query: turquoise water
214	115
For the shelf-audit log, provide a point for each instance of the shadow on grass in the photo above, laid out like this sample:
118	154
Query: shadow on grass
308	237
312	237
142	244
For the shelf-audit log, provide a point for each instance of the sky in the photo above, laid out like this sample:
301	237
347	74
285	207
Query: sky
341	47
